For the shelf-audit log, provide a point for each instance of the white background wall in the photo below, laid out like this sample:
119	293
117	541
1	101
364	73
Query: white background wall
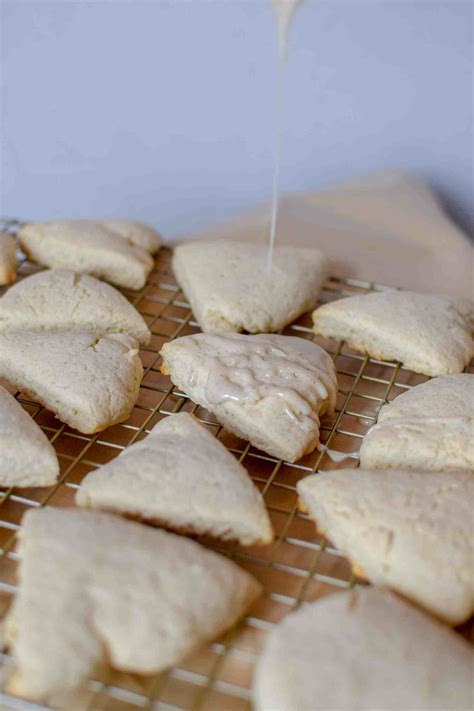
162	109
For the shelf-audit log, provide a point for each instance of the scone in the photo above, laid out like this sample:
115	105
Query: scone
95	588
89	383
363	649
135	233
58	299
90	247
428	334
8	261
408	530
230	288
268	389
181	477
26	456
429	427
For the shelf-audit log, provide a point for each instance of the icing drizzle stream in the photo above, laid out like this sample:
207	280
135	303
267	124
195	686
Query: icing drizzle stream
284	10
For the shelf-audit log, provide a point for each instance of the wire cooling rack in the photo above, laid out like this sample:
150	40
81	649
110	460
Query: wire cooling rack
299	567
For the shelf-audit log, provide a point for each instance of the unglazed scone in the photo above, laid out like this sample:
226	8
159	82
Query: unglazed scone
428	334
182	477
230	289
26	456
8	261
91	247
430	427
94	588
136	233
408	530
363	649
89	383
58	299
268	389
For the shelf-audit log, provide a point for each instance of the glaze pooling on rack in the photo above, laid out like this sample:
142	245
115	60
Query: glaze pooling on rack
336	456
249	368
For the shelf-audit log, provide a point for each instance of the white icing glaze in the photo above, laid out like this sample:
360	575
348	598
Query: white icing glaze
248	368
365	420
284	10
336	456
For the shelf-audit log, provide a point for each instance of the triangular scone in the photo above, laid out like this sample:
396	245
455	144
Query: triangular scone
96	588
87	247
8	261
408	530
268	389
89	383
182	477
26	456
230	289
428	334
429	427
136	233
363	649
58	299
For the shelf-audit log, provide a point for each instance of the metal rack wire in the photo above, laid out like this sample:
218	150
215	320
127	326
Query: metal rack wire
299	567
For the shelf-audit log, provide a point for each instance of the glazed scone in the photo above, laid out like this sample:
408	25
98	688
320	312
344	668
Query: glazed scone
8	261
268	389
89	383
88	247
58	299
428	334
181	477
429	427
408	530
363	649
26	456
230	289
95	588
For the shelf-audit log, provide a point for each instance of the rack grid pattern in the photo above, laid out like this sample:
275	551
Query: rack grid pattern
299	567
